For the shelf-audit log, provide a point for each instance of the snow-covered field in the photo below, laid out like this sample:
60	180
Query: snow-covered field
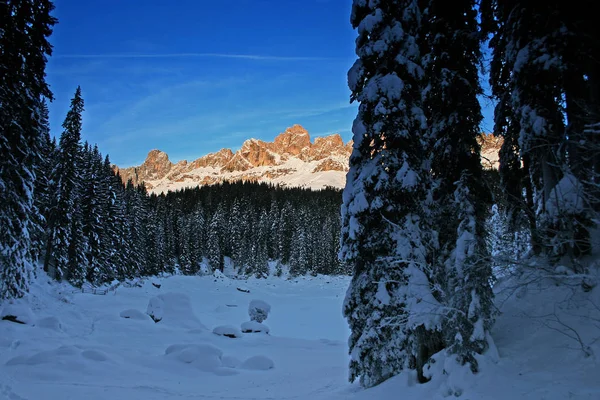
80	346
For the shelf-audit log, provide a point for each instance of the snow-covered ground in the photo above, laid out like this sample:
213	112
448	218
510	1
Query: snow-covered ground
84	346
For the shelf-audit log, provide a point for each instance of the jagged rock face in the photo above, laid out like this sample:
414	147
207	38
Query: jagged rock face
330	165
290	160
215	160
254	153
490	147
294	141
156	166
327	146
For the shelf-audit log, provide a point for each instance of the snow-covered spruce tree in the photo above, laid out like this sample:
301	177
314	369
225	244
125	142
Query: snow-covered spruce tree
136	212
533	54
43	185
25	26
284	233
262	241
300	257
461	269
238	234
91	202
213	243
563	49
111	231
578	39
62	227
384	229
155	240
514	166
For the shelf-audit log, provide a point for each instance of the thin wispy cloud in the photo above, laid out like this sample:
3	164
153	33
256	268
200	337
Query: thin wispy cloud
258	57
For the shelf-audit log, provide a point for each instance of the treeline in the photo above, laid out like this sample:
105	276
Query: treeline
249	223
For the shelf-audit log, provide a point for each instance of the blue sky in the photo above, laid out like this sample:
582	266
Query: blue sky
190	77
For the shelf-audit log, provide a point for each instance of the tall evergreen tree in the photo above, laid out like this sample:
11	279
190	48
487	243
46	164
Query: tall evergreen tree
25	26
64	223
43	185
213	245
93	227
459	194
384	233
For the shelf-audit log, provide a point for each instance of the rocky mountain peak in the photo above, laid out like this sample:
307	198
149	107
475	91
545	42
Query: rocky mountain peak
327	146
292	141
291	156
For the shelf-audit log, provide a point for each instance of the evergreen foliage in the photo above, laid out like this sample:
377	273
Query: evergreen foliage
25	26
462	269
384	231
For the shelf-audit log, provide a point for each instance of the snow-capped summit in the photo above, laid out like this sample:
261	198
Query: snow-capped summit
292	160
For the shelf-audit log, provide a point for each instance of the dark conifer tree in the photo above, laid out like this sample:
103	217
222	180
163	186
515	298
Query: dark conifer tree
384	231
25	26
43	188
459	193
64	222
213	245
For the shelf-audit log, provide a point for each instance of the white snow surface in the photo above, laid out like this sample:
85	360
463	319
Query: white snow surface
132	313
260	363
99	355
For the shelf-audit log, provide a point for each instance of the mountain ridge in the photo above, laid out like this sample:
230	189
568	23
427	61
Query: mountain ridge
292	159
291	153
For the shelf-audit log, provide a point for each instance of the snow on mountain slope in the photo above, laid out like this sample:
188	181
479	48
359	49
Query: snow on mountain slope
90	351
290	160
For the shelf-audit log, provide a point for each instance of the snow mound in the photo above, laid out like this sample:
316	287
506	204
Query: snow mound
46	357
259	310
52	323
258	363
254	327
94	355
202	356
174	309
135	314
228	331
17	312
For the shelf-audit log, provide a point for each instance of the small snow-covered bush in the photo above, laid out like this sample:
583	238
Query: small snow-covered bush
155	309
228	331
254	327
258	310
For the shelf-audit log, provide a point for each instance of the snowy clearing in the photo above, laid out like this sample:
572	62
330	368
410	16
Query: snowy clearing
80	346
